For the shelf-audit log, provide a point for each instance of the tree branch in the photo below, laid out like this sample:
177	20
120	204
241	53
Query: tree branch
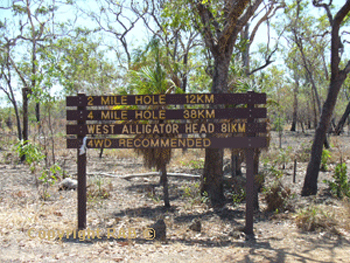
335	43
206	19
318	3
268	61
232	21
346	70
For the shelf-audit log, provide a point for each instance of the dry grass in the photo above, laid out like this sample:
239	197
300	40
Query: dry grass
343	214
183	158
316	218
99	188
276	197
331	218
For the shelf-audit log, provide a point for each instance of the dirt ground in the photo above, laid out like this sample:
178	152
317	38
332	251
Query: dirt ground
30	226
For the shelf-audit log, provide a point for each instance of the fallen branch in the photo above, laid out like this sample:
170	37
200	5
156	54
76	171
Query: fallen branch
142	175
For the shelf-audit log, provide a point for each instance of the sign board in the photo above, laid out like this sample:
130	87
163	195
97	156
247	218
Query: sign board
127	121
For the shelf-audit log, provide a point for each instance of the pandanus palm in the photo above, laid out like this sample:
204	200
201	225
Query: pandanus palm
154	79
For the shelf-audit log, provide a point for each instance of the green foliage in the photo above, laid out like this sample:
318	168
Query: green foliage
284	156
275	165
192	194
278	124
33	153
238	196
194	164
205	197
49	177
340	186
326	155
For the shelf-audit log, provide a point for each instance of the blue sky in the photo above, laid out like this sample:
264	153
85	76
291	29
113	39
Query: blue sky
139	35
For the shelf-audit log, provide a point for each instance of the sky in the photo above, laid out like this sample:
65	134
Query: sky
138	36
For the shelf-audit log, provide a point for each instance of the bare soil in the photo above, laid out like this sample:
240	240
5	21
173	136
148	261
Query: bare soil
137	203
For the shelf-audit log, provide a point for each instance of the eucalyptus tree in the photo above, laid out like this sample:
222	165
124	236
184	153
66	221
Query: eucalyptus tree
117	22
7	84
29	27
307	42
219	23
79	64
346	113
171	22
338	75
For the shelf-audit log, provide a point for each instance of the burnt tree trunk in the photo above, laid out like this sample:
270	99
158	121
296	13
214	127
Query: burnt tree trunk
310	182
340	125
338	77
164	180
235	164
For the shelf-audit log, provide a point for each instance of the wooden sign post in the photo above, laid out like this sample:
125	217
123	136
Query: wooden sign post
114	117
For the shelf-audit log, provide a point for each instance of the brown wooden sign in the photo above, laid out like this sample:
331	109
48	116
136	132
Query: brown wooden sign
168	128
168	99
130	119
188	114
230	142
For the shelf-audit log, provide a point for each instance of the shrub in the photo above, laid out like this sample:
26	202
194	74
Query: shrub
340	186
314	218
276	197
326	155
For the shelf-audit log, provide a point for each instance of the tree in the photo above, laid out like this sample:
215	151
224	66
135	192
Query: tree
220	22
28	32
116	20
307	43
6	75
338	76
79	64
341	122
152	78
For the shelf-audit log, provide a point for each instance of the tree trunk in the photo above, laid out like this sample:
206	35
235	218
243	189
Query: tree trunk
37	115
308	115
18	119
213	176
295	104
339	128
212	179
235	164
258	182
25	92
337	79
164	180
310	183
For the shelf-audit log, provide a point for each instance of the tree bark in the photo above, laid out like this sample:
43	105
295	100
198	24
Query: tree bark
340	125
337	79
25	92
164	180
213	176
295	104
310	182
212	180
